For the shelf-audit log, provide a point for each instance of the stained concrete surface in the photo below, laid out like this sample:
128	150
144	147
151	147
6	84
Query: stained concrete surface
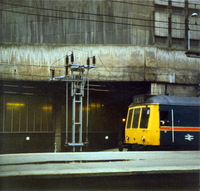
88	164
163	170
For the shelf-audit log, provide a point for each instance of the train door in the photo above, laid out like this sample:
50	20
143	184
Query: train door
135	125
128	130
166	125
132	133
149	125
143	126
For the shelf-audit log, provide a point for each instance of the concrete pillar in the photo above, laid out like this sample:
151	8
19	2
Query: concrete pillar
157	89
57	127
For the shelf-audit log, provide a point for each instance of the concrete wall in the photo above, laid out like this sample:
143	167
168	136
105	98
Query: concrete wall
75	22
114	63
131	22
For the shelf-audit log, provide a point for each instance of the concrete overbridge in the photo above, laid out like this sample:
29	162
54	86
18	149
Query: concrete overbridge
117	63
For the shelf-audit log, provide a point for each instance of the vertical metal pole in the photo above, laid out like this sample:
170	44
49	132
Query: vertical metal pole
80	109
12	118
4	113
87	110
34	120
47	114
172	113
73	94
73	122
67	112
80	119
19	119
27	118
188	34
41	122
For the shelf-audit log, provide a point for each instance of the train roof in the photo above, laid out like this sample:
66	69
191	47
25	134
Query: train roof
174	100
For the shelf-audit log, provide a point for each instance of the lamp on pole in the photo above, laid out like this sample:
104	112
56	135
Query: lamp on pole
192	15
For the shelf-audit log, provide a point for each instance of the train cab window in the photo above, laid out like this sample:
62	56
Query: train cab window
136	118
130	113
145	118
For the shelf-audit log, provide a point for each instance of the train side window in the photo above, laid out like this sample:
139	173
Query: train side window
136	118
164	118
145	118
130	113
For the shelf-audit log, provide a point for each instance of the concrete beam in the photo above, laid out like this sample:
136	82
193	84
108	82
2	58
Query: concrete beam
115	63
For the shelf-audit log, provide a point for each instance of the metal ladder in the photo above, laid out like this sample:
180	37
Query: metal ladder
77	93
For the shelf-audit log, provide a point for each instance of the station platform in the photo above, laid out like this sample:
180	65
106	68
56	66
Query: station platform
90	164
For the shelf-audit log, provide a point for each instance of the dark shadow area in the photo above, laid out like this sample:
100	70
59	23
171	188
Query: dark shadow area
29	112
150	182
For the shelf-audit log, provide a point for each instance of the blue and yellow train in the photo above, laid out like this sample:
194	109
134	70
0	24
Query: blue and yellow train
163	121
